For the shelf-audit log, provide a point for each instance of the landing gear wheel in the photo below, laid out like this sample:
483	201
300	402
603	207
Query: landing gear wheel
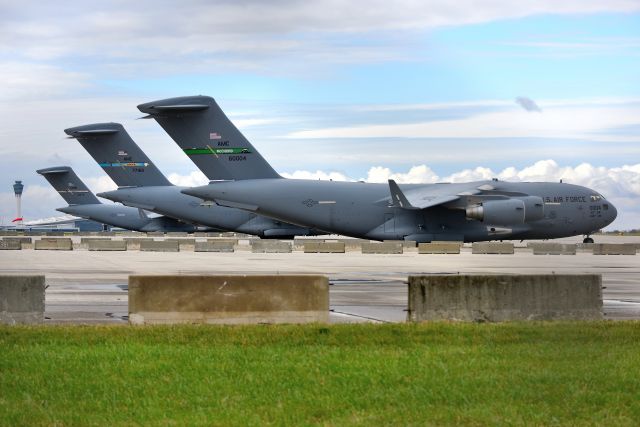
587	240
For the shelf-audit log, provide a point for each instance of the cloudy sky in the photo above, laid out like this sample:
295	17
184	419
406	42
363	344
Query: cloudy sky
422	91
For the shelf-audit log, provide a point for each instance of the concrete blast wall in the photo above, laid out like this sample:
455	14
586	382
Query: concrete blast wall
614	249
159	246
543	248
107	245
505	297
60	244
11	245
213	246
324	247
382	248
21	299
270	246
439	248
228	299
497	248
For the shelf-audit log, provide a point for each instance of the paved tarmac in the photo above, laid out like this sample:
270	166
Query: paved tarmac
91	287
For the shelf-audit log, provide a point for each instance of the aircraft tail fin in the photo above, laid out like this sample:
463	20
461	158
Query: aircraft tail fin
205	133
65	181
111	146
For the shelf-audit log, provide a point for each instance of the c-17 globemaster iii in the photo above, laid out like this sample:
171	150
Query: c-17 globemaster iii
472	211
84	204
142	185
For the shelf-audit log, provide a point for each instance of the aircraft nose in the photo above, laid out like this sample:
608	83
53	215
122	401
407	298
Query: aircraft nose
612	213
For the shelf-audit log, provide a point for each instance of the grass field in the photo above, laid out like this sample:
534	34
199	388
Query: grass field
442	374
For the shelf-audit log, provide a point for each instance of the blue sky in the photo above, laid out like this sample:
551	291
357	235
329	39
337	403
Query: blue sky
420	91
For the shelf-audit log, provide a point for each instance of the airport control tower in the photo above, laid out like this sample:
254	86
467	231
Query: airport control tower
17	189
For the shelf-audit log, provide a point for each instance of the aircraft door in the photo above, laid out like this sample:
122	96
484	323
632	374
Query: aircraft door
389	223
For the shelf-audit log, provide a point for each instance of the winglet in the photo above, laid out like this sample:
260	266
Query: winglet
398	199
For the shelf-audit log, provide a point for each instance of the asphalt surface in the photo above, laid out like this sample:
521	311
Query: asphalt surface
91	287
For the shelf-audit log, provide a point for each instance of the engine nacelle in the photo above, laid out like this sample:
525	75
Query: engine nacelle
498	212
533	208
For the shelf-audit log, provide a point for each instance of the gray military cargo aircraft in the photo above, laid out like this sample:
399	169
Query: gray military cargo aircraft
142	185
84	204
472	211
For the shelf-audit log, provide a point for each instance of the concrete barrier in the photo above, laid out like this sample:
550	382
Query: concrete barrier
86	240
270	246
406	244
228	299
439	248
614	249
155	234
298	244
177	234
213	246
233	242
498	248
349	244
10	245
505	297
59	244
21	299
159	246
543	248
185	244
382	248
21	239
133	243
107	245
324	247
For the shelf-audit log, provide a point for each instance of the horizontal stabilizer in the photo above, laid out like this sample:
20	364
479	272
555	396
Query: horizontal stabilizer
417	199
94	129
56	170
97	131
178	108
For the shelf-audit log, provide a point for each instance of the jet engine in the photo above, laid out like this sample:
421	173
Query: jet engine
533	208
498	212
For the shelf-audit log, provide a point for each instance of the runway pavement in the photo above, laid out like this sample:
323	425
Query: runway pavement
91	287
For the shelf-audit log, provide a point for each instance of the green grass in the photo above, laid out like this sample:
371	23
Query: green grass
440	374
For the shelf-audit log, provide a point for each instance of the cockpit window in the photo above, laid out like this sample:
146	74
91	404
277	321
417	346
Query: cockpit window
596	197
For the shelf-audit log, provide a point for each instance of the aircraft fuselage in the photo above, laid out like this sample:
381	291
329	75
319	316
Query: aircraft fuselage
365	210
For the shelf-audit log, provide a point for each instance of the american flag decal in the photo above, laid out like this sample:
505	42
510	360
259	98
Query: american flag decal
214	135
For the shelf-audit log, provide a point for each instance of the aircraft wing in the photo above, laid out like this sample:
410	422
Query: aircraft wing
423	198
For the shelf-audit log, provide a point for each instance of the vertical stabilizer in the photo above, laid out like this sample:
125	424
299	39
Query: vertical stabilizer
69	186
111	146
205	133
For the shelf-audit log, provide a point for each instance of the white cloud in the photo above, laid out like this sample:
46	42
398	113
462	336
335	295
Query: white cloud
160	37
193	179
420	173
19	80
317	175
100	184
587	122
